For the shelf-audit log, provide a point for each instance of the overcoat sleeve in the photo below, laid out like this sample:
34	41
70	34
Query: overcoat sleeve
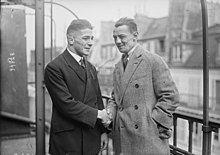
166	93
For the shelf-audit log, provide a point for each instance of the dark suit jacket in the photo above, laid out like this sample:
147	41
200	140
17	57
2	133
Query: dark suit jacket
76	98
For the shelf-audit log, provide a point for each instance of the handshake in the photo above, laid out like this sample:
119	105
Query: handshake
105	116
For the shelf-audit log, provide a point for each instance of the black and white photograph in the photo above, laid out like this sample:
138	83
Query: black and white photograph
110	77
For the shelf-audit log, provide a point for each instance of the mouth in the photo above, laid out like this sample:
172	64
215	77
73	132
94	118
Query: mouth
87	49
120	47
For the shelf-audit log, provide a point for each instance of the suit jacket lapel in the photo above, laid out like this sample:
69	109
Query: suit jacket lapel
90	77
74	65
132	65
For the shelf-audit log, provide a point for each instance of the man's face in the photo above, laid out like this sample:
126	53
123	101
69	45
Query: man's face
124	39
83	41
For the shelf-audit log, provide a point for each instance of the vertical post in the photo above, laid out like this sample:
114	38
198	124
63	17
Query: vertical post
51	30
206	148
174	131
190	135
39	68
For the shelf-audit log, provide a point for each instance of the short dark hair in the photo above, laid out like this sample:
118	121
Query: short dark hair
78	24
127	21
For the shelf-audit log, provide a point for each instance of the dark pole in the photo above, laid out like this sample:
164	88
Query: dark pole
206	128
51	30
64	8
39	68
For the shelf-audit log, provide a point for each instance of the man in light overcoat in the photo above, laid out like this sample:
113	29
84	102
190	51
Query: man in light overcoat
143	99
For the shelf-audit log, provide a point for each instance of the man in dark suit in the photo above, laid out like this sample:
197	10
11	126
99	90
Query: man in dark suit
144	97
77	112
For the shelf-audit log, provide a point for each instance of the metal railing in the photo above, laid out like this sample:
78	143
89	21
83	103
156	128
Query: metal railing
193	116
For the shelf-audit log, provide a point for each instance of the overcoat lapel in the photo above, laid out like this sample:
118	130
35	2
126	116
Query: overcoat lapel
132	65
119	71
74	65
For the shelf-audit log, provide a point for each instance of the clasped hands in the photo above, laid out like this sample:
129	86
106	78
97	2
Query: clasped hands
105	116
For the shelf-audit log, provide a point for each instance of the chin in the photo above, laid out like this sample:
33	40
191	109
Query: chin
122	51
86	54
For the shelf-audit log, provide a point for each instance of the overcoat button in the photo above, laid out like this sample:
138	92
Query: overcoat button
136	107
136	126
136	85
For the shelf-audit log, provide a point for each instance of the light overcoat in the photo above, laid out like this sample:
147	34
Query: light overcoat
144	96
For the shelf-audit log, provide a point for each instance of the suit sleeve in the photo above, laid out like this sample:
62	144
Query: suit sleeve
64	101
166	93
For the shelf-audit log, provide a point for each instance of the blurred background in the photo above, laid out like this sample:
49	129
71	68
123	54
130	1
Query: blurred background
169	28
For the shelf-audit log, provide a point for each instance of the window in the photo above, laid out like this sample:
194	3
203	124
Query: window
194	92
177	53
161	45
217	97
218	54
216	135
152	46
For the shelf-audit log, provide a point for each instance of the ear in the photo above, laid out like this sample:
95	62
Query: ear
70	39
135	34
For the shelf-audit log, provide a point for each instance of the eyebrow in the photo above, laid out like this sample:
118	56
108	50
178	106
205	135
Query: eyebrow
87	35
120	35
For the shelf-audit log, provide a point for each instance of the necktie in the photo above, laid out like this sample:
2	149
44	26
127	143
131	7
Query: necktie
82	63
125	60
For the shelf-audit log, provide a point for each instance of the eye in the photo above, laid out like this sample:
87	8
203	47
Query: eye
85	38
122	37
88	38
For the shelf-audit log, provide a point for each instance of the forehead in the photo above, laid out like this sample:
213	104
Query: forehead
85	32
124	29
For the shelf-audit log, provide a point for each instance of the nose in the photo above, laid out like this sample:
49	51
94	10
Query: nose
117	40
91	42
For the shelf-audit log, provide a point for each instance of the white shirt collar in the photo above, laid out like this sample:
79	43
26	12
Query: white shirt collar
75	56
131	51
